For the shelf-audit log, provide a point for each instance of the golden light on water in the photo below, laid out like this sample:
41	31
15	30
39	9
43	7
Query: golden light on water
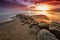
42	9
41	12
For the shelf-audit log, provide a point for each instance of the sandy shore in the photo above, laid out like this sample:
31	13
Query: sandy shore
15	31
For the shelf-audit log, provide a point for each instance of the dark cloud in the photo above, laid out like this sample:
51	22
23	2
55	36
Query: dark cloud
10	3
37	1
54	2
26	2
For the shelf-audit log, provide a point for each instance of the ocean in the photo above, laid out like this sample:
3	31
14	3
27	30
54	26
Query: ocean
8	13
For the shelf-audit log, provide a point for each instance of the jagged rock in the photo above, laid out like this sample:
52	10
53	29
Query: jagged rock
54	26
26	19
34	29
45	35
43	25
55	29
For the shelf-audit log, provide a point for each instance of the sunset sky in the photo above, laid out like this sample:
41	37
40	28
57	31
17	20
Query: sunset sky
56	3
9	8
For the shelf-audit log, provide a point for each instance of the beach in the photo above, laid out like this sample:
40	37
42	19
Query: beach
15	31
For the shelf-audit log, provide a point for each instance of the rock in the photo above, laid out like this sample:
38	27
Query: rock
34	29
26	19
54	26
41	16
43	25
45	35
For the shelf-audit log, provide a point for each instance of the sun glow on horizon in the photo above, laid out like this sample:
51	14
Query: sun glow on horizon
42	7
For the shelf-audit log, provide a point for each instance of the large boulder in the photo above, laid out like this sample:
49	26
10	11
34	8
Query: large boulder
45	35
43	25
54	26
34	29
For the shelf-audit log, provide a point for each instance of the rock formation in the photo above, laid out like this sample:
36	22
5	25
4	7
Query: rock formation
54	26
37	28
45	35
43	25
34	29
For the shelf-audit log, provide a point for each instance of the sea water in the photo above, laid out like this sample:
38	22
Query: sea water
8	13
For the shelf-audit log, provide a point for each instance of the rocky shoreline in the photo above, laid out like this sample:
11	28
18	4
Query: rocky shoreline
53	27
26	28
